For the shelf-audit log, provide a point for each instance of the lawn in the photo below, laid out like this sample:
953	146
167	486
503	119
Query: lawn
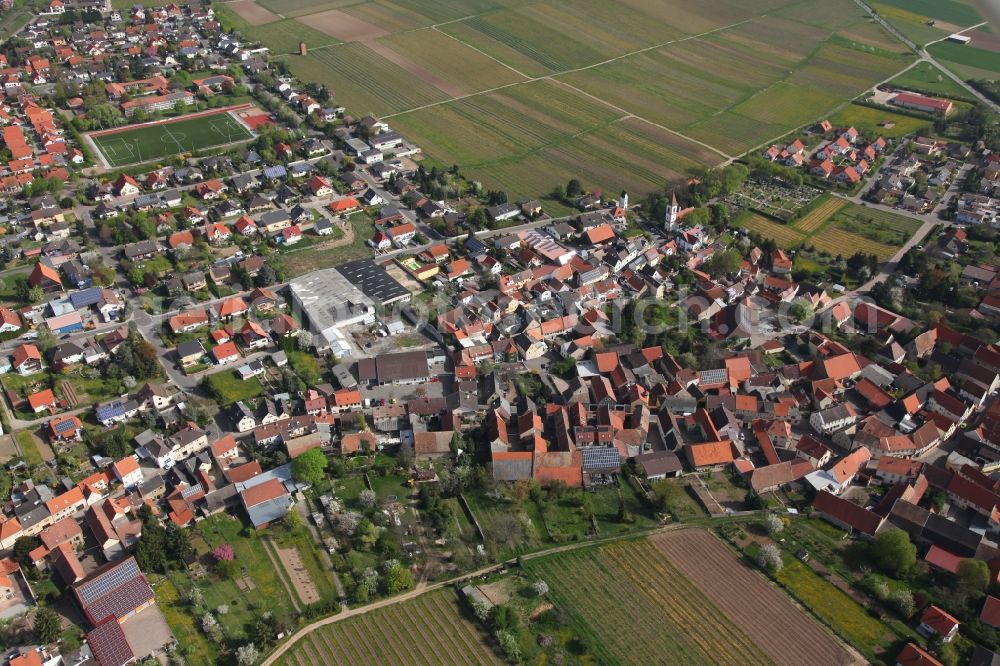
926	77
871	120
229	388
845	616
196	647
313	258
268	592
160	140
29	448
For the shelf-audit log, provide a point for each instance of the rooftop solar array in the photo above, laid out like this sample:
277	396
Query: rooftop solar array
373	280
600	457
713	376
64	426
95	588
109	646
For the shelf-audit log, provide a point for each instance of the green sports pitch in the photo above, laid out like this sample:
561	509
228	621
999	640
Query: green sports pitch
155	142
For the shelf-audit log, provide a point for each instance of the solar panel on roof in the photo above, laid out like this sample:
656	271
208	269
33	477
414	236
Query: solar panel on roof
92	590
65	426
713	376
600	457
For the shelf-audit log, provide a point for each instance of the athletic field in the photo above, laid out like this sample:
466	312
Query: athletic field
154	142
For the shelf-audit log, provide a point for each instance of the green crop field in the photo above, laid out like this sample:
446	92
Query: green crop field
154	142
843	613
967	61
927	77
951	11
430	629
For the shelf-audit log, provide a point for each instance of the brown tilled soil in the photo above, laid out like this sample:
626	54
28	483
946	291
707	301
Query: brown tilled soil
343	26
415	69
786	633
292	563
253	13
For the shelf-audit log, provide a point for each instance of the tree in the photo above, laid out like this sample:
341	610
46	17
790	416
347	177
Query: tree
973	576
769	558
773	524
540	587
48	625
724	263
574	188
24	545
309	467
265	277
367	533
902	601
509	645
367	498
398	579
247	655
893	552
211	627
224	553
800	311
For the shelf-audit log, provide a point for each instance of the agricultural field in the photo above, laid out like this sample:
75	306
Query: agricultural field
674	88
844	243
876	225
838	227
758	608
302	7
680	609
365	81
431	629
913	18
927	77
157	141
815	218
966	60
783	235
281	36
844	614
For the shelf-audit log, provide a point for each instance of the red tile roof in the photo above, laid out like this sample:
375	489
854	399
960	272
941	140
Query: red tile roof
912	655
263	492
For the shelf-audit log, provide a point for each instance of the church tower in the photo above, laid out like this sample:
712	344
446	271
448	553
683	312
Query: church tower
623	200
673	214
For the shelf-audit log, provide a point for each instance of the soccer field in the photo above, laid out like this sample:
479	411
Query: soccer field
154	142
